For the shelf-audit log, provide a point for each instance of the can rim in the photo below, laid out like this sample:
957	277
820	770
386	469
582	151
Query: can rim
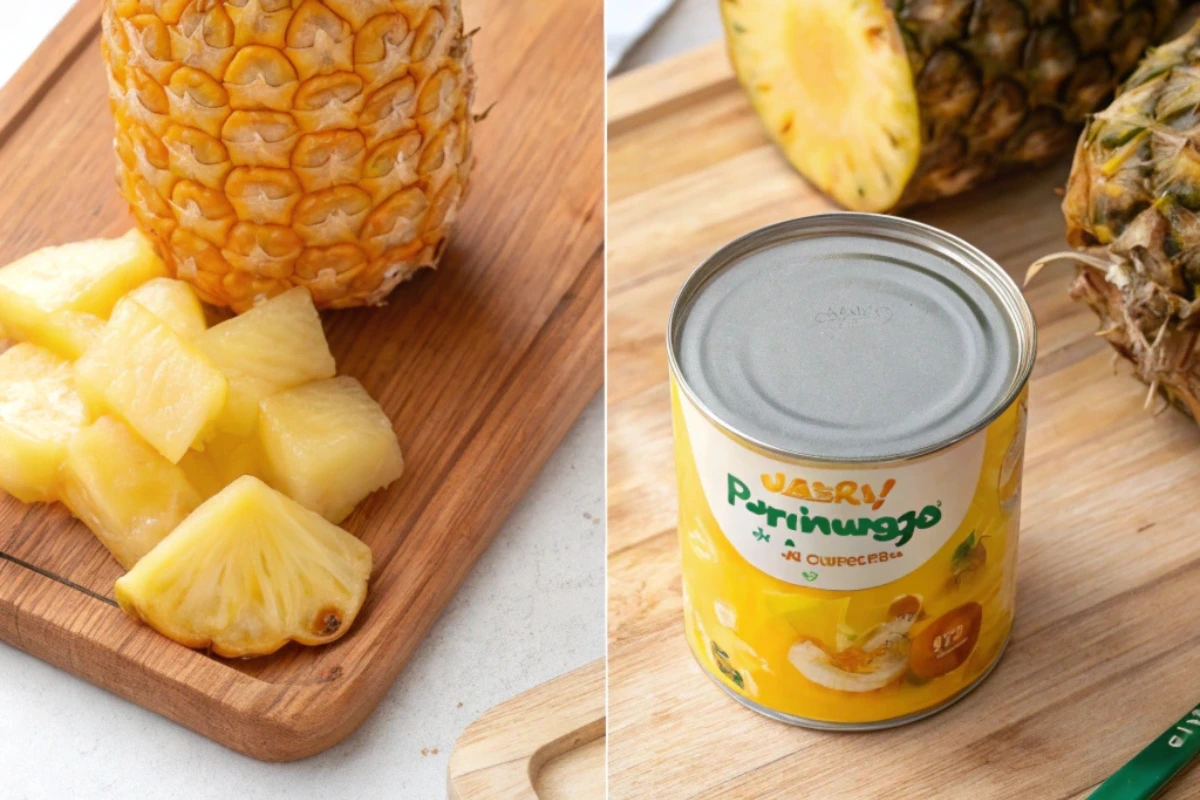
963	254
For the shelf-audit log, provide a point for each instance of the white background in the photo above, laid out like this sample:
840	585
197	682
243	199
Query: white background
527	614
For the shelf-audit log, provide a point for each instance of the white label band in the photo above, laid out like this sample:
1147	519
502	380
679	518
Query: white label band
833	528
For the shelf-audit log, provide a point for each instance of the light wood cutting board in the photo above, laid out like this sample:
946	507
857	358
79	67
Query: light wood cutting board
547	744
1106	651
483	367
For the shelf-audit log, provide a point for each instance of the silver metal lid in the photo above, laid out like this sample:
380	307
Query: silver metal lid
851	338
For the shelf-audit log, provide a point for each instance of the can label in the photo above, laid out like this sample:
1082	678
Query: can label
855	594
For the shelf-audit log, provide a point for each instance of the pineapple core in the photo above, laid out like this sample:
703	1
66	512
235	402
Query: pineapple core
124	490
832	83
144	373
278	345
329	445
39	413
247	572
57	297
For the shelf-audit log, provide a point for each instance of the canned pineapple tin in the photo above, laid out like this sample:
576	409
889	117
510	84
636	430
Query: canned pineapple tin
849	395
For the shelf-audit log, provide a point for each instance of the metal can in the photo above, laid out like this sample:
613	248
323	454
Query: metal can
849	395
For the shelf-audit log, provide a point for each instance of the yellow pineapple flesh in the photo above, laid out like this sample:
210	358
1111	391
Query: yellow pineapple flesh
329	445
39	413
145	374
248	572
225	458
275	346
174	303
266	145
56	297
124	490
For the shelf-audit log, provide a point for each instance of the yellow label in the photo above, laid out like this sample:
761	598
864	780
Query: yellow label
853	594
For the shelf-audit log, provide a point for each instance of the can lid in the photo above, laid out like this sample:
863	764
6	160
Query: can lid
852	337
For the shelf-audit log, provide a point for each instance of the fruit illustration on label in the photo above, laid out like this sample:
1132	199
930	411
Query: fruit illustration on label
871	662
947	642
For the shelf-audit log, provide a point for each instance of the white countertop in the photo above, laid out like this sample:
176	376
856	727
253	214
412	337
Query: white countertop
686	26
525	615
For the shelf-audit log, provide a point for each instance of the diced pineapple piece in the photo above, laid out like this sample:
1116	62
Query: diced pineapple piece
175	303
39	413
124	490
85	277
143	372
248	572
275	346
329	445
225	458
71	333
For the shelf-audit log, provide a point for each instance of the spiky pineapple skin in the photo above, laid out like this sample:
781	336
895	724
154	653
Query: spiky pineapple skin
999	84
265	144
1131	207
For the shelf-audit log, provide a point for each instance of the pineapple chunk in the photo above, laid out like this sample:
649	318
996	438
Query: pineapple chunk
225	458
174	303
275	346
248	572
144	373
72	333
832	83
329	445
124	490
39	292
39	413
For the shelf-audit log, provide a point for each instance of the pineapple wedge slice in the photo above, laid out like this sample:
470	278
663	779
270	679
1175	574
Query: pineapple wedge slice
144	373
175	303
39	413
124	490
278	345
248	572
225	458
41	293
832	82
329	445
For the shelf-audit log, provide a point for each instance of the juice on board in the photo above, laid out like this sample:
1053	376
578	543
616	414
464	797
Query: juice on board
849	395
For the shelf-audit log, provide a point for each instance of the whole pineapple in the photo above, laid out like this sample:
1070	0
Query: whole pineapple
1131	208
886	103
265	144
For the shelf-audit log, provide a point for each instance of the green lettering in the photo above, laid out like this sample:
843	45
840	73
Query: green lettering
737	490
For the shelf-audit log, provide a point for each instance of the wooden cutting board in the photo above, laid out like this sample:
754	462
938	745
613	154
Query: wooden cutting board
1107	642
483	367
547	744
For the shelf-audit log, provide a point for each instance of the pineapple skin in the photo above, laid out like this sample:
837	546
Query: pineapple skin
1131	210
1000	84
266	144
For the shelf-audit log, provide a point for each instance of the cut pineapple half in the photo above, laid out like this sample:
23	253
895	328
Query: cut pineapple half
175	303
278	345
832	83
144	373
39	413
248	572
329	445
40	293
124	490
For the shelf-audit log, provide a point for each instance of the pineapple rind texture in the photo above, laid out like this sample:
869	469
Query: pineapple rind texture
248	572
40	412
124	490
1131	209
329	445
144	373
271	145
998	84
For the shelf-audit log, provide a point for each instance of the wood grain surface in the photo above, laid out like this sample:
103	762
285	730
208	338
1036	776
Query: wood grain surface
547	744
483	367
1106	651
